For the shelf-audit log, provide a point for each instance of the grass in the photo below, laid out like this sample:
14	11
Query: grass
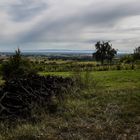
64	74
115	80
102	106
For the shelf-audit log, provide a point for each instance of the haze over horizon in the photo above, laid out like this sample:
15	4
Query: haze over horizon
69	24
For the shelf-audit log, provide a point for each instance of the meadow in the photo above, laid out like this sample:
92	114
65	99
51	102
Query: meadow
115	80
102	105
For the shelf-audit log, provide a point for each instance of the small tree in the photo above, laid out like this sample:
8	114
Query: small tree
16	67
136	54
104	51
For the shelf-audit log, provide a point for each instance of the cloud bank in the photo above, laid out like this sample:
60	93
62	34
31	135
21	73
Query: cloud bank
69	24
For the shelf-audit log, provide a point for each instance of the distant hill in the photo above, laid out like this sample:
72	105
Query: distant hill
48	52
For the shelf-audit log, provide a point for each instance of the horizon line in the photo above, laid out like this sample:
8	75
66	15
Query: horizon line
57	50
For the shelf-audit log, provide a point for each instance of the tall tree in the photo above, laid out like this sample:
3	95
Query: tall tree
104	51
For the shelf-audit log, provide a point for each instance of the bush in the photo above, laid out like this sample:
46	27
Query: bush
16	67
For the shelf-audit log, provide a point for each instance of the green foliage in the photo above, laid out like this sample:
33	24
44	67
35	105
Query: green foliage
136	54
128	59
16	67
104	51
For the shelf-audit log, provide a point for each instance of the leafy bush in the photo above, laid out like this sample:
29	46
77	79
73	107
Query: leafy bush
16	67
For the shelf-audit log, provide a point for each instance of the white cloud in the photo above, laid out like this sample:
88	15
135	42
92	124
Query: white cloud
69	23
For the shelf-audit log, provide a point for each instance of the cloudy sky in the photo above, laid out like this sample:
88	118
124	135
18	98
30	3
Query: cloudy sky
69	24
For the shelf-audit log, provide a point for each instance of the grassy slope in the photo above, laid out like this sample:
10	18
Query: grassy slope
106	108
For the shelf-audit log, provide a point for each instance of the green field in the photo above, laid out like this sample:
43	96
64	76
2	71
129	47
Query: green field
104	105
115	80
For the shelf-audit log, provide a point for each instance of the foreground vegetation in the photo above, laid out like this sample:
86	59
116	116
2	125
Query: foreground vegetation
98	102
101	106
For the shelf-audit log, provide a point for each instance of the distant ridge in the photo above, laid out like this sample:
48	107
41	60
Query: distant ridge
59	51
69	50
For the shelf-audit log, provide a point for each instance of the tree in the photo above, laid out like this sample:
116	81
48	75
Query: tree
136	54
104	51
16	67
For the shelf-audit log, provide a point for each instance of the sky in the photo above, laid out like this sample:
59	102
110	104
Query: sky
69	24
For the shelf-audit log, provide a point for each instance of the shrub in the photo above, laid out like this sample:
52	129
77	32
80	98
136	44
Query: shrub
16	67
